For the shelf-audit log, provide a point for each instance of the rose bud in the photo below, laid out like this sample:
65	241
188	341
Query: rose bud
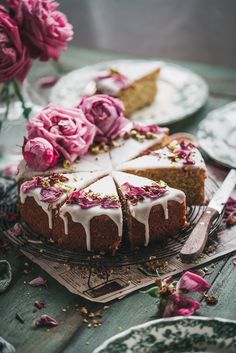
39	154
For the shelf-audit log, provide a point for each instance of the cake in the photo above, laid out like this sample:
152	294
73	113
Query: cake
135	84
153	211
91	218
179	164
41	197
121	182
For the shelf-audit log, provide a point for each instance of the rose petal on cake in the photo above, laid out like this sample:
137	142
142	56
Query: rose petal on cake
46	320
107	202
31	184
50	194
38	281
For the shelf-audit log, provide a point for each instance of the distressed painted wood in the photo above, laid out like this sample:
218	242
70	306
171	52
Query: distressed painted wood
71	336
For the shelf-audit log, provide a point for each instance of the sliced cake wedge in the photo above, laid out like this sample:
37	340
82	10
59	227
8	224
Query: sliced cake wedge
180	165
153	211
91	218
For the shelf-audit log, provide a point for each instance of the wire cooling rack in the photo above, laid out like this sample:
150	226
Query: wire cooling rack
37	245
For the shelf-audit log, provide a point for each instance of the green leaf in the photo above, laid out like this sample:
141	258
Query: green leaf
153	292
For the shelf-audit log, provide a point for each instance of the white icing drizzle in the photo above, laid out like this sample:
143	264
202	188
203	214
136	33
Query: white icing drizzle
104	187
142	209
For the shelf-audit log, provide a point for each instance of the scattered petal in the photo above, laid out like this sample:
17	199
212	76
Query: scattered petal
38	304
16	230
38	281
45	320
234	260
192	282
180	305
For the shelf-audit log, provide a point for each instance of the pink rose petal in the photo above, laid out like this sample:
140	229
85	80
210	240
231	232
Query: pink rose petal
46	321
38	281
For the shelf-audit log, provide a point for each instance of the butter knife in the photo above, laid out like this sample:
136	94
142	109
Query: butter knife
196	242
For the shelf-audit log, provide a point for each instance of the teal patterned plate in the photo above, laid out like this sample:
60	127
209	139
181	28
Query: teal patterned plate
175	335
181	92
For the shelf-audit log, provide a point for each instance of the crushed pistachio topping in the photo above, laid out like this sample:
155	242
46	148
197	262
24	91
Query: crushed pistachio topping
88	199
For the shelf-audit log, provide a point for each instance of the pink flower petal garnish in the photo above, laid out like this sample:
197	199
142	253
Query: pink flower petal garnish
136	194
192	282
46	320
31	184
180	305
50	194
38	304
16	230
38	281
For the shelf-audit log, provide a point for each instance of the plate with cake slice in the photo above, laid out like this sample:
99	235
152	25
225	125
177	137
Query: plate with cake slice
153	92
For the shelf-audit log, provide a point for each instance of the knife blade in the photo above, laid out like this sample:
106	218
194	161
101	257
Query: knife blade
196	242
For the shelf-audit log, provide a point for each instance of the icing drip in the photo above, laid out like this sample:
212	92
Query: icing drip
141	209
105	189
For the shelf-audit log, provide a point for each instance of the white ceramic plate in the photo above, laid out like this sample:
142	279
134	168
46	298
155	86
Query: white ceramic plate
217	135
181	92
175	335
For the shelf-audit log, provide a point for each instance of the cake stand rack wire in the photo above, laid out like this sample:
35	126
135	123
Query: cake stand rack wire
36	245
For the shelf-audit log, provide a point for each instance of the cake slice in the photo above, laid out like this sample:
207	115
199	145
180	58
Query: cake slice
153	211
136	140
41	197
91	219
180	165
134	83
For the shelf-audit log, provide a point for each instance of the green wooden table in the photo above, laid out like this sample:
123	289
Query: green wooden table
72	336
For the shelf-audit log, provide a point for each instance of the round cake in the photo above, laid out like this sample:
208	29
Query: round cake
97	200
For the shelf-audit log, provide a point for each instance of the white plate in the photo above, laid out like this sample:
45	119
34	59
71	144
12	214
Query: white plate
181	92
217	135
175	335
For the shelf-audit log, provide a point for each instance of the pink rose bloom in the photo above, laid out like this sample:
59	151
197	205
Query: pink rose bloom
107	113
14	59
39	154
192	282
180	305
44	30
67	130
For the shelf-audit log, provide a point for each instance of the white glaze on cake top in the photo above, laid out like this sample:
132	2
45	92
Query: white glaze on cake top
104	187
142	209
130	148
75	180
82	165
162	158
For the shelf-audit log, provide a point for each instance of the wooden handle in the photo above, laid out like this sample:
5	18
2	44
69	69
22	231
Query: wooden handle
196	242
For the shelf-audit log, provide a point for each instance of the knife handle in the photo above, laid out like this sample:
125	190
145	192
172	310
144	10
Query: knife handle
196	242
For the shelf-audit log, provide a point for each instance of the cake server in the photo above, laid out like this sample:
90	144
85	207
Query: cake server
196	242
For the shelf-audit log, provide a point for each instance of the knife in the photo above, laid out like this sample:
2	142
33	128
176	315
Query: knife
196	242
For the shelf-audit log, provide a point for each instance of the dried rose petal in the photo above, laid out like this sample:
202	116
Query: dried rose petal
39	304
135	193
32	184
109	203
75	197
16	230
86	203
192	282
38	281
180	305
50	194
45	320
143	129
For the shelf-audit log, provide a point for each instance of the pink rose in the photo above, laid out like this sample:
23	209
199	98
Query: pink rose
192	282
39	154
107	113
14	59
44	30
67	130
180	305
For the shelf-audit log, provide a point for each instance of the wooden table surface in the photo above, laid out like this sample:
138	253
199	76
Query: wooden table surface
72	336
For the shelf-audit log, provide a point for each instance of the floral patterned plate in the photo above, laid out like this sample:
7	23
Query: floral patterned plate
217	135
181	92
175	335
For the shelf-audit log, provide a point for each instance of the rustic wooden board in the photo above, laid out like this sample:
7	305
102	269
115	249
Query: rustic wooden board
71	336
